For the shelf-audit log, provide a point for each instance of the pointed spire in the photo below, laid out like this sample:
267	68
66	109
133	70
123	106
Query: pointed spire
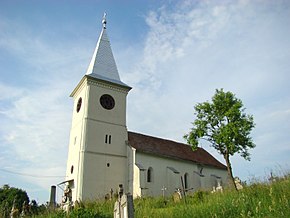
103	65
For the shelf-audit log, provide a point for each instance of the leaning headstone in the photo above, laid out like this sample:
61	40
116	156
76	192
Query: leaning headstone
238	183
117	209
124	207
177	196
219	187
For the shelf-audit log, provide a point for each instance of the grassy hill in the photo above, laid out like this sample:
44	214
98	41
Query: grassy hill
256	200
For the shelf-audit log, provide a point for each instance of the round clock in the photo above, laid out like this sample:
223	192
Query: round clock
107	101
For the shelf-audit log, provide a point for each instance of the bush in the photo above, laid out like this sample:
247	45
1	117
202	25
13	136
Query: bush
8	195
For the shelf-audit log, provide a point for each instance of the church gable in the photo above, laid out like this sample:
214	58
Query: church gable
172	149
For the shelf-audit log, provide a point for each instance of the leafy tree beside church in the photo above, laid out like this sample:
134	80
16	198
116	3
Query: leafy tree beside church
225	125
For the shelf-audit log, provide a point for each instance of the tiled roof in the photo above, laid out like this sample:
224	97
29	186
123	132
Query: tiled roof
171	149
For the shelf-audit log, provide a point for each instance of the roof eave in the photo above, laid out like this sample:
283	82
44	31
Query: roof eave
109	81
176	158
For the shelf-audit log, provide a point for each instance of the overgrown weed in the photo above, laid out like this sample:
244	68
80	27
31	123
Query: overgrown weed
260	199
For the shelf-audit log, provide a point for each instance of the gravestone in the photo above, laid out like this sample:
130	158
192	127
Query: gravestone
67	202
177	196
238	183
124	207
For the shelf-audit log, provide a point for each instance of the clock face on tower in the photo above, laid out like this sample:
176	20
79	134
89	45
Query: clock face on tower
107	101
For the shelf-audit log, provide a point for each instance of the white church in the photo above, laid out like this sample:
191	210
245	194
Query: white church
103	154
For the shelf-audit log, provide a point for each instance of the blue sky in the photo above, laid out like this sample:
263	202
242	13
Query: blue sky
173	53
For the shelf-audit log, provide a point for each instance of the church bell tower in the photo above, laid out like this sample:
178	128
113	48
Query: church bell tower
97	158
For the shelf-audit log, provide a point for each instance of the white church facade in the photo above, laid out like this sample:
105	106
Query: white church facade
103	154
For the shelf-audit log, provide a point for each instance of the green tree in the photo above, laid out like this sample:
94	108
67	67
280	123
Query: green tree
225	126
7	196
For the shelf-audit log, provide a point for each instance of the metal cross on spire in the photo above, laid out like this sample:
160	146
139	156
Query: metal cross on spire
104	21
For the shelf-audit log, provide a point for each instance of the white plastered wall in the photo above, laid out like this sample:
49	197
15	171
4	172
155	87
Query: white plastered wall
165	177
98	166
75	156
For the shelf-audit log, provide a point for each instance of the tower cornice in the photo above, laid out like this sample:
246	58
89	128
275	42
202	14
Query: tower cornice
88	80
79	87
108	85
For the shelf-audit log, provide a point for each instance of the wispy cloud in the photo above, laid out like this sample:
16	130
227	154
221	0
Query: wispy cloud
34	133
191	49
36	113
194	48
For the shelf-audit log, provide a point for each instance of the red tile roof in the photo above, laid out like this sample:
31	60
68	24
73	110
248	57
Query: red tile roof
171	149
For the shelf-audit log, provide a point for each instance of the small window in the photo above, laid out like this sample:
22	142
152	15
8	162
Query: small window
186	180
75	141
79	105
108	164
72	169
150	174
108	139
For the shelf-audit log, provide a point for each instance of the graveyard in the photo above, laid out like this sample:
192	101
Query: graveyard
269	198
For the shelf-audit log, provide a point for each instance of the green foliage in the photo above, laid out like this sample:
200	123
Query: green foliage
224	125
8	195
99	209
35	209
256	200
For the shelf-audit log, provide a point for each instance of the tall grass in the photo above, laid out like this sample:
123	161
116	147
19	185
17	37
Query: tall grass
98	209
256	200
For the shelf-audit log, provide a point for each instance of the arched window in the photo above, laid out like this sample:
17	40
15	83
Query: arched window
150	174
186	180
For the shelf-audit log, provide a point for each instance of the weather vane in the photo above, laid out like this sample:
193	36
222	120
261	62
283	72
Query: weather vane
104	21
